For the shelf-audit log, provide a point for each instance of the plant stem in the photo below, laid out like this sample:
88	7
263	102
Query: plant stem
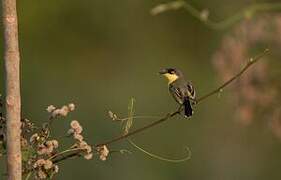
63	152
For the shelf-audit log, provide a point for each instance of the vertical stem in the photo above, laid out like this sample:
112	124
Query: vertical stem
13	101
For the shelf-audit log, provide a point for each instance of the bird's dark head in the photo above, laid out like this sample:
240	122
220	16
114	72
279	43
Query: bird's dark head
171	74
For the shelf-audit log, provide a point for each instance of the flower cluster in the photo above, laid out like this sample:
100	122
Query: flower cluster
41	162
103	152
42	152
44	168
48	147
76	130
63	111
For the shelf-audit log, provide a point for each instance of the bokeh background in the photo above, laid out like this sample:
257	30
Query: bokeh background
98	54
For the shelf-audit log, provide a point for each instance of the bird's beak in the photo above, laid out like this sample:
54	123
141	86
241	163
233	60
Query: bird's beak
163	71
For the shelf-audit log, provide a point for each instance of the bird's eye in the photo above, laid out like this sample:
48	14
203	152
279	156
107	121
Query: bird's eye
171	71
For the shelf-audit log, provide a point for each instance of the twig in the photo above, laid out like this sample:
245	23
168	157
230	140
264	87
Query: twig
138	117
13	99
245	13
169	116
63	152
250	62
66	157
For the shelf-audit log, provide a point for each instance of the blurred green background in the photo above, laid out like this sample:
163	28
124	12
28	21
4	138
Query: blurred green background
100	53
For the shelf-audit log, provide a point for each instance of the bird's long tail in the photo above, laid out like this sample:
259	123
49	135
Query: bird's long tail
187	107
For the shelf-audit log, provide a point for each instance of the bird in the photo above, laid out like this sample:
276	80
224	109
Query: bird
180	89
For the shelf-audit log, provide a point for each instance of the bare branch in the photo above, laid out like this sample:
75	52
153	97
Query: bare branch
170	115
203	15
250	62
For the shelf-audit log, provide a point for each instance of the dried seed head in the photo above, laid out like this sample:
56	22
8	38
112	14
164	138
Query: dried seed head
71	107
74	124
88	156
45	149
51	108
63	111
77	128
88	149
52	143
103	152
112	115
34	138
55	143
56	168
48	164
78	137
39	163
41	174
82	144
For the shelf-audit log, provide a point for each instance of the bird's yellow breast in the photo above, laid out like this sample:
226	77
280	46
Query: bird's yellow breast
171	77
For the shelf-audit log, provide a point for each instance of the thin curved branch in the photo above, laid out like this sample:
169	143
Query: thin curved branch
170	115
219	89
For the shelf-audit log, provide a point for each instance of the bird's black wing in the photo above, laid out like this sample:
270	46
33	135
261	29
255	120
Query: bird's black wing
176	93
190	91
